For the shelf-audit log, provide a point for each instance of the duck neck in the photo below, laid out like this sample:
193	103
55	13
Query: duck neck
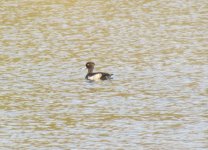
90	70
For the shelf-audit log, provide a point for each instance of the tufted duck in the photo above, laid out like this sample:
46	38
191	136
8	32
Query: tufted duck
96	75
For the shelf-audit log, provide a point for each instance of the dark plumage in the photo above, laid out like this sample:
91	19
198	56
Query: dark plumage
96	75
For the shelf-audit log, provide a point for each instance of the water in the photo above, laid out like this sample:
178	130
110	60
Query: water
156	50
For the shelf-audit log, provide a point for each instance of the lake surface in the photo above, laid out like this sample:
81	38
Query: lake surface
157	51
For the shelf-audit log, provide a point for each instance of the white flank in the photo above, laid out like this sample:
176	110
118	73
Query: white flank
95	77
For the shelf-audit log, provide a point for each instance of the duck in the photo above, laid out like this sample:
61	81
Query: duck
95	76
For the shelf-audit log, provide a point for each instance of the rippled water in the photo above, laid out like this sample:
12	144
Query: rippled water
156	50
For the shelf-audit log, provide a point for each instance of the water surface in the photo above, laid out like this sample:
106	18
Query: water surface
156	50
